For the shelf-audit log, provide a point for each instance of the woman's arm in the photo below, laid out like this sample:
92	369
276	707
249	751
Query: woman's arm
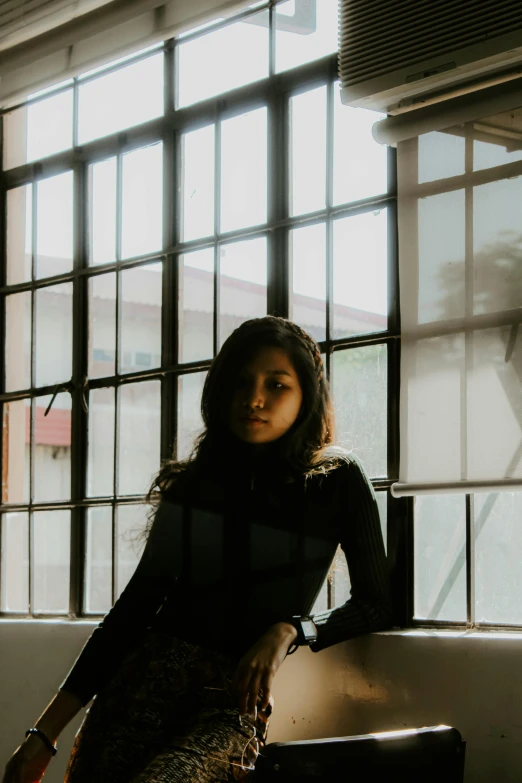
31	759
359	530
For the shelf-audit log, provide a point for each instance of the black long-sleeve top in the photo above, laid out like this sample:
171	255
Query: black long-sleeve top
220	567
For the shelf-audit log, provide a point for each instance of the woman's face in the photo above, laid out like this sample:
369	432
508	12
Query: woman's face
267	387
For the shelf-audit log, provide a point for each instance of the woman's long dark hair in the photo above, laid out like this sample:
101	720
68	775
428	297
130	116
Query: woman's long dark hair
300	451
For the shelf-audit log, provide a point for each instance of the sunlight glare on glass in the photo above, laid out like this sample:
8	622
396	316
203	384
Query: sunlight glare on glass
305	32
235	55
120	61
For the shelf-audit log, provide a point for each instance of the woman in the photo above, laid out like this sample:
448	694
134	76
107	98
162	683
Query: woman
241	541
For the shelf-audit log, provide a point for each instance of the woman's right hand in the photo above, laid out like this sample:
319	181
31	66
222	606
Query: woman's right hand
28	763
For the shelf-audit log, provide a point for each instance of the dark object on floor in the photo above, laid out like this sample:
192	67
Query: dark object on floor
432	754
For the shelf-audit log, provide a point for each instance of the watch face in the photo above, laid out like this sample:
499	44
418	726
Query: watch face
308	628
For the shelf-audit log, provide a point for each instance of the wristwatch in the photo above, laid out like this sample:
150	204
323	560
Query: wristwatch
306	630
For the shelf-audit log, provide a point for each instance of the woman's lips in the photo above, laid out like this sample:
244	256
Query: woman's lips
246	420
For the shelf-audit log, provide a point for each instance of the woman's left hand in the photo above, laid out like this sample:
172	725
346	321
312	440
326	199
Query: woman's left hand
257	668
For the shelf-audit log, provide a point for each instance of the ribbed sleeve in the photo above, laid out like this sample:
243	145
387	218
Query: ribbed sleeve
359	532
122	627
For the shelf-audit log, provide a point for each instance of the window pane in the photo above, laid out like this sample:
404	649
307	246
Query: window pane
102	325
15	460
100	469
497	246
308	151
51	561
54	225
360	396
233	56
53	334
441	289
440	557
360	274
244	170
190	423
142	201
139	436
18	341
308	286
304	31
141	318
14	585
40	129
19	234
52	448
130	522
121	99
98	566
498	554
360	167
243	284
197	176
441	155
102	246
196	305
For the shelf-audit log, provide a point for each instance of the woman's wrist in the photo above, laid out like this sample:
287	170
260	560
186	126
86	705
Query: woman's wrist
287	631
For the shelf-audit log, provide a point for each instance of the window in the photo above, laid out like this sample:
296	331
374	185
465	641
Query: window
467	404
254	182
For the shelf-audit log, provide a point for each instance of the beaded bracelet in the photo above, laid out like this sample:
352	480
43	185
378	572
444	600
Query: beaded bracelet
45	739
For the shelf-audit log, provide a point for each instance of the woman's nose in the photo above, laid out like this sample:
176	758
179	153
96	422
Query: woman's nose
253	395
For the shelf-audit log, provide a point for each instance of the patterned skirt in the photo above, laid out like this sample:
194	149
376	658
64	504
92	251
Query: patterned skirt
168	716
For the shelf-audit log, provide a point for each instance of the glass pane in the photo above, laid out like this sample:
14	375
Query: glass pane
52	448
14	583
234	55
100	468
197	177
141	318
130	522
305	31
40	129
15	460
102	225
142	201
497	246
360	378
19	234
360	163
53	334
497	139
441	155
18	341
51	561
98	564
498	554
54	225
244	170
196	305
102	325
382	503
121	99
441	291
308	287
308	151
360	274
139	436
440	557
243	284
190	423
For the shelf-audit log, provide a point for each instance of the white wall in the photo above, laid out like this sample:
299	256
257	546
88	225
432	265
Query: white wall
380	682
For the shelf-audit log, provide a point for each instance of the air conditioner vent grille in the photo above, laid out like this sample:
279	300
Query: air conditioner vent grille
378	37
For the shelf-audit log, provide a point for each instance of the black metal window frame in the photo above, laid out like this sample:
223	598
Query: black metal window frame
274	93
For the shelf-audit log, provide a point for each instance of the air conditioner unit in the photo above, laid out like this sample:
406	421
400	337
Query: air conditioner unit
398	55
